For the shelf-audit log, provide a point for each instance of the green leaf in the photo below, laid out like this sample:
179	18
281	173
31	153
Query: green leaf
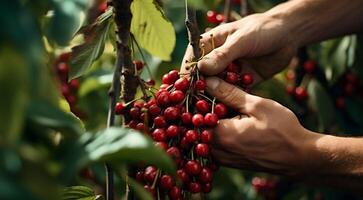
50	116
78	193
65	20
151	29
322	103
139	191
85	54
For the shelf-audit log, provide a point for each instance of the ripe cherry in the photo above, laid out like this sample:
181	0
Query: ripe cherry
200	84
184	144
162	145
192	167
163	98
74	84
205	175
232	67
206	136
207	187
194	187
140	177
301	94
154	110
202	150
139	104
198	120
166	79
172	131
231	77
309	66
62	68
150	173
65	90
221	110
135	112
173	76
174	153
212	17
186	118
172	113
183	176
163	87
220	18
150	189
175	193
138	64
150	82
211	119
140	126
202	106
166	182
64	57
181	84
159	135
191	136
160	122
290	89
246	79
176	96
133	124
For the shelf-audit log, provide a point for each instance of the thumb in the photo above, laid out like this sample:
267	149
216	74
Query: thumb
231	95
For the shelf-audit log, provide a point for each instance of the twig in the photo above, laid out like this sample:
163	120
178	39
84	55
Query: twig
193	30
227	11
124	67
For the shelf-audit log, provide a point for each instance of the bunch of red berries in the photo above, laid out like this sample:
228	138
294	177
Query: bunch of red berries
178	118
68	88
232	74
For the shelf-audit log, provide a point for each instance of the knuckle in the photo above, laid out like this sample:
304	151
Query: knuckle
221	55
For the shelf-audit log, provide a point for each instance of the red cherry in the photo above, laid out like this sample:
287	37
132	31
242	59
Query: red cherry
119	108
174	153
309	66
290	75
351	78
162	87
173	76
221	110
207	187
246	79
150	82
176	96
183	176
140	126
301	94
290	90
232	67
202	106
150	103
181	84
194	187
133	124
166	79
163	98
64	57
211	119
172	113
162	145
184	143
198	120
186	118
206	136
135	112
259	184
202	150
139	104
206	175
212	17
74	84
102	7
175	193
150	189
138	64
154	110
231	77
340	102
172	131
159	135
65	90
150	173
140	177
71	99
166	182
191	136
192	167
200	84
349	88
160	122
220	18
62	68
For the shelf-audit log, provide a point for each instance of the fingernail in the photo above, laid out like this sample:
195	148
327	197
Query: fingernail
212	82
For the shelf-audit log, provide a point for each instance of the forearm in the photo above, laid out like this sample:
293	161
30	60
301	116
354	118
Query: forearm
311	21
336	161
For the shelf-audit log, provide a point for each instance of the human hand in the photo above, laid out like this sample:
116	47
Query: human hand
267	137
260	44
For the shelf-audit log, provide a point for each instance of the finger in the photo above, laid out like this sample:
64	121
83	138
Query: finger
232	96
209	40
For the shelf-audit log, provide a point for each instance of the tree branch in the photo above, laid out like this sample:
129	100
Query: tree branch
244	8
193	30
227	11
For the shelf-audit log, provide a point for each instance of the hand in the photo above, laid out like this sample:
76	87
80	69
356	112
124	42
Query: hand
268	137
259	43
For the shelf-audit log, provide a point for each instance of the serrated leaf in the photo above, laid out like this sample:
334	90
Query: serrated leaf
322	103
85	54
151	29
78	193
52	117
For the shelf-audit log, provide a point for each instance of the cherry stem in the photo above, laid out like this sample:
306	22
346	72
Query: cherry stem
155	179
143	88
205	97
192	152
212	39
142	56
187	103
130	102
213	103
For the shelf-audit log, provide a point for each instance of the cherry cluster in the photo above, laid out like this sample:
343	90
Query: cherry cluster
179	118
265	187
214	17
233	76
68	88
